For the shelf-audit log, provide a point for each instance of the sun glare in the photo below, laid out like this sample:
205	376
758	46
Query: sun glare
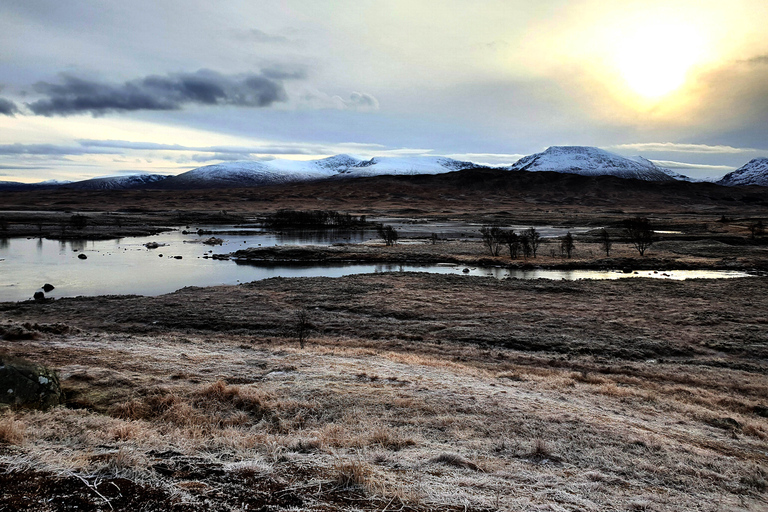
655	60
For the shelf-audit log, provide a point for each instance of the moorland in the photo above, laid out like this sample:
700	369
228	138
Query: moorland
406	391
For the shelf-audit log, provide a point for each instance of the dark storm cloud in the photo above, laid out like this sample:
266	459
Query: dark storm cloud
75	95
8	108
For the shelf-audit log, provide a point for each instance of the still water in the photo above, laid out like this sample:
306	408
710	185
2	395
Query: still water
126	266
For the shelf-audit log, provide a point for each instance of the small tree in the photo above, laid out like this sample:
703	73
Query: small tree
566	244
756	229
639	233
387	233
525	244
301	326
512	240
492	238
534	239
605	242
78	221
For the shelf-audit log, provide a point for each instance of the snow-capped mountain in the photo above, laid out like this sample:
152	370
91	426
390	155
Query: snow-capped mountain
250	174
117	182
754	172
272	172
590	161
404	165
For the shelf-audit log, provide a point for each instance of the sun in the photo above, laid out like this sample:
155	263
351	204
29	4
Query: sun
655	60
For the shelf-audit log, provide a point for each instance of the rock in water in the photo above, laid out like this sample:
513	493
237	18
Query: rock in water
25	384
82	256
39	296
47	287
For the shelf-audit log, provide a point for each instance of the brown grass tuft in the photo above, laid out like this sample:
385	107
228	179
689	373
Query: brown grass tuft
11	431
352	473
455	460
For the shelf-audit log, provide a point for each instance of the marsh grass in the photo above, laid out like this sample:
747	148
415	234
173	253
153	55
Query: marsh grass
439	426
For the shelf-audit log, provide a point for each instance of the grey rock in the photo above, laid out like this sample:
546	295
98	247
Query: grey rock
24	384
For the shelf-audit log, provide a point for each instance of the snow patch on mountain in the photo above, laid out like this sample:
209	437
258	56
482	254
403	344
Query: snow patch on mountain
754	172
122	182
591	161
272	172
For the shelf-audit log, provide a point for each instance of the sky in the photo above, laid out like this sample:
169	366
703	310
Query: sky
91	88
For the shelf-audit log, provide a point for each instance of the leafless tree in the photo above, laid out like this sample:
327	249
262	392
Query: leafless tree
605	242
534	238
512	240
756	229
301	326
639	233
387	233
566	244
492	238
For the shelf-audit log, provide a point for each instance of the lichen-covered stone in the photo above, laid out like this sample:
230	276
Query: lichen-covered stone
24	384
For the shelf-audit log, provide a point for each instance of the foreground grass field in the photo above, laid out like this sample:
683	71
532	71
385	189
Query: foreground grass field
415	392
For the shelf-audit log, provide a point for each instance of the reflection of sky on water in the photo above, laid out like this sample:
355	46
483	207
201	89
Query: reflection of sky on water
126	266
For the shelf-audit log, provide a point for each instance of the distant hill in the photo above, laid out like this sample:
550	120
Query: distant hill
754	172
278	172
118	182
590	161
582	160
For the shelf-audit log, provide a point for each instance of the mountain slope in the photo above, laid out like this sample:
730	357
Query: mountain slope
276	172
590	161
118	182
754	172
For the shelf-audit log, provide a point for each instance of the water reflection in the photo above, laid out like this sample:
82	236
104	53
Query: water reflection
126	266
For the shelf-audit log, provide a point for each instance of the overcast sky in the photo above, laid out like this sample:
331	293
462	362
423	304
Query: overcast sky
91	88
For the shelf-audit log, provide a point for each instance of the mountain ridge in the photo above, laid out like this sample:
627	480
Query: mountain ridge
754	172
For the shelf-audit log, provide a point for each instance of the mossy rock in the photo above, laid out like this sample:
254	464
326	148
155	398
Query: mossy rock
24	384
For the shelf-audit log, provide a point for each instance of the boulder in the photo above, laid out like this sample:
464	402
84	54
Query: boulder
48	287
39	297
24	384
82	256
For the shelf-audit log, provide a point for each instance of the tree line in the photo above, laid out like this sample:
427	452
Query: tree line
314	219
637	231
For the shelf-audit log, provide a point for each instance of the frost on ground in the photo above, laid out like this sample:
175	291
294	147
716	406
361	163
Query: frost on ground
415	392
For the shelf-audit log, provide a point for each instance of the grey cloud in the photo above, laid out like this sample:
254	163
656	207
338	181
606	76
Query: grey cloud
363	100
49	149
760	59
228	157
75	95
287	149
259	36
285	72
7	107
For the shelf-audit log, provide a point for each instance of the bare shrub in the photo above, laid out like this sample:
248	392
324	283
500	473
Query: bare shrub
540	450
301	326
